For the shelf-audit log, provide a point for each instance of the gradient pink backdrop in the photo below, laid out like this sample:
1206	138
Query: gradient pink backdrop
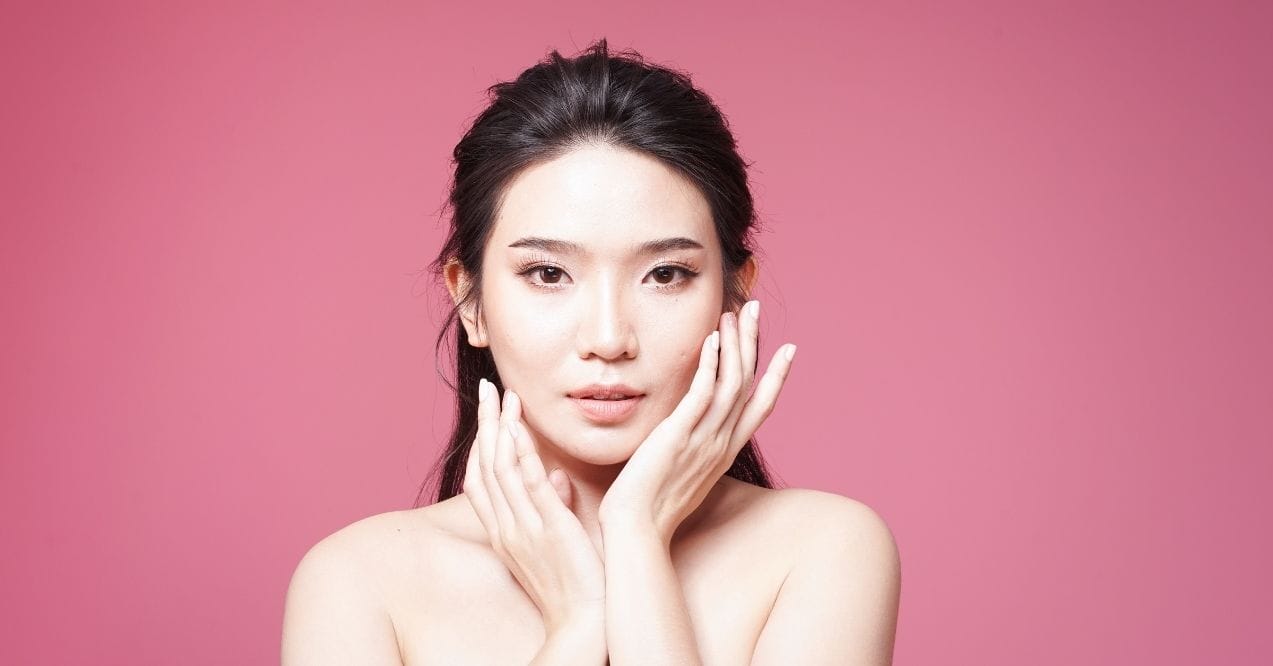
1025	249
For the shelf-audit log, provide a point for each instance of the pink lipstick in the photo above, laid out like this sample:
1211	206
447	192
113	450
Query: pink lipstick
606	404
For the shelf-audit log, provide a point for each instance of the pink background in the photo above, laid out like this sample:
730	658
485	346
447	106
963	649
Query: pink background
1025	251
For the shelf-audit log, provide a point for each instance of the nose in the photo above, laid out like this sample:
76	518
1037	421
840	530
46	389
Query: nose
605	328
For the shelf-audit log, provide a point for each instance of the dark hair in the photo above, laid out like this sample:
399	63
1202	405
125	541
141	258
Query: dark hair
555	106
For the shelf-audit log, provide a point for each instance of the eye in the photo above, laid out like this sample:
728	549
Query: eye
665	275
550	274
547	274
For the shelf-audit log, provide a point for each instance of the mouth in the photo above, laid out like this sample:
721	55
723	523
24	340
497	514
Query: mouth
606	404
607	410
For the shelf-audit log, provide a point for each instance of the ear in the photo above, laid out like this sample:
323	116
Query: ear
458	283
748	273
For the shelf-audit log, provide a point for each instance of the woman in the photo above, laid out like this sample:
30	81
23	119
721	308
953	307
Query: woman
612	505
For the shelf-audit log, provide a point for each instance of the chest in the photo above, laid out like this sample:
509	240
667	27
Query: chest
471	611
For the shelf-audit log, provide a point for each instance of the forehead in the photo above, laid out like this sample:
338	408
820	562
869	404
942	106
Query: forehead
604	198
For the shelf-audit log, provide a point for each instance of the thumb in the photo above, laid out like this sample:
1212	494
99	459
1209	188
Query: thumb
561	482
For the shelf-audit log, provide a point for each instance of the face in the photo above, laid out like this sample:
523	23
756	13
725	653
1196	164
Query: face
603	268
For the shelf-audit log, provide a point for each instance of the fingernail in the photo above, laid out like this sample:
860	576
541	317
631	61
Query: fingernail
508	397
753	309
481	390
511	398
731	318
715	340
791	352
512	430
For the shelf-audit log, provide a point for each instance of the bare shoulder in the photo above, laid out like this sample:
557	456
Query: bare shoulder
383	550
812	516
337	605
828	518
845	581
375	543
838	531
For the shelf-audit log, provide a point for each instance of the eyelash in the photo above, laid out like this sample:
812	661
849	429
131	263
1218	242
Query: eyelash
526	269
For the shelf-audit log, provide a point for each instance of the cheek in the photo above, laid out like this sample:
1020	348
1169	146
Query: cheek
680	336
683	365
528	345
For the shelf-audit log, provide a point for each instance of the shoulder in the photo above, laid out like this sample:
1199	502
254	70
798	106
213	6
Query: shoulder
815	524
816	517
368	544
336	608
842	523
844	581
366	555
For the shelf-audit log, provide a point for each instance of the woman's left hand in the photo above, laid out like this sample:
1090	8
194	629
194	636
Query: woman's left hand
675	467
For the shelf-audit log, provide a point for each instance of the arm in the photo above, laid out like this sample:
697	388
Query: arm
839	603
667	478
333	613
578	643
647	621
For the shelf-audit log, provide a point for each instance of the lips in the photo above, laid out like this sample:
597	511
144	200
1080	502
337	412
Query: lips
613	395
605	392
606	404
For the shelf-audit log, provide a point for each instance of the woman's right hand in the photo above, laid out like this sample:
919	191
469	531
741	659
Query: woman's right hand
535	534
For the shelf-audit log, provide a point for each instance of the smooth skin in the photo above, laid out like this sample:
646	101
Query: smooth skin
626	546
529	524
540	539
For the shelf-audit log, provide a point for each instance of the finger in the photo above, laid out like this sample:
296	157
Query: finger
766	396
474	487
538	487
492	423
750	324
507	471
729	378
560	481
696	400
748	335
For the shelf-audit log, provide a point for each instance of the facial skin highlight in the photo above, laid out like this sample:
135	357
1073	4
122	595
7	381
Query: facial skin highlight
603	267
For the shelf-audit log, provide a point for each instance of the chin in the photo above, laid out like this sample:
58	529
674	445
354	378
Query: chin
602	449
600	455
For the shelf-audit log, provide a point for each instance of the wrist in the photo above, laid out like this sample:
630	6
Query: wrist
583	638
627	529
580	621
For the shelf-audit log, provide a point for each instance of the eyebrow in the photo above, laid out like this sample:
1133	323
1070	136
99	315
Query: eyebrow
567	247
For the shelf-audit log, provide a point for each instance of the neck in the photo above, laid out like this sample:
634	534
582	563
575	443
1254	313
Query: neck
588	485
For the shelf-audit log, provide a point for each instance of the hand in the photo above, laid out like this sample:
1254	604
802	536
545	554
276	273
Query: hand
531	528
677	465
